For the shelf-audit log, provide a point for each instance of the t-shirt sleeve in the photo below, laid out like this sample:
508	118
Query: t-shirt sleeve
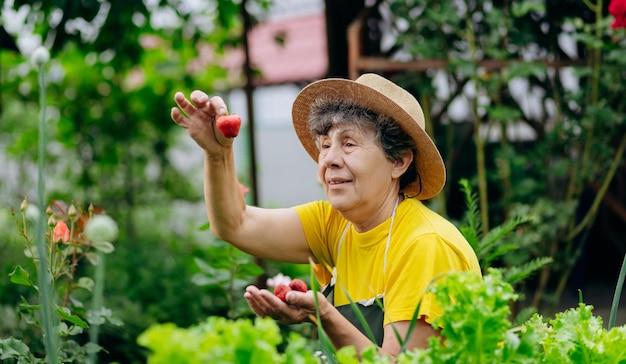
315	218
410	273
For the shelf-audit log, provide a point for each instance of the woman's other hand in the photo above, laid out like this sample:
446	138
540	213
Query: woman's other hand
299	306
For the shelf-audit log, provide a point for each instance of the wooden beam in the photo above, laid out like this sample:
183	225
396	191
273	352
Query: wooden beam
381	64
358	64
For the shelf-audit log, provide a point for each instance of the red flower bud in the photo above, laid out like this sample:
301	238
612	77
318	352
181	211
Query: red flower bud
61	233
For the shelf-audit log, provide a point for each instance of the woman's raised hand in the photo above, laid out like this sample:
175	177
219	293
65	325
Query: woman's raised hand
197	116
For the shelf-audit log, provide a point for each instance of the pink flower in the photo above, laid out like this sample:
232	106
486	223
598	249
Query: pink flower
278	279
61	233
244	189
617	8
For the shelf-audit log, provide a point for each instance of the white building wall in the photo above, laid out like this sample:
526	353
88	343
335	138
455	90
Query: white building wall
286	174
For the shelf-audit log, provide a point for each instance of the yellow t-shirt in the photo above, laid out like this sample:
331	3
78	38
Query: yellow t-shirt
423	246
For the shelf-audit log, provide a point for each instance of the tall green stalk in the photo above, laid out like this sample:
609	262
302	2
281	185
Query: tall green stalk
481	169
46	291
98	293
617	295
596	53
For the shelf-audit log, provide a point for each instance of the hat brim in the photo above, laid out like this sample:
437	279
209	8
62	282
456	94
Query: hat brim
429	164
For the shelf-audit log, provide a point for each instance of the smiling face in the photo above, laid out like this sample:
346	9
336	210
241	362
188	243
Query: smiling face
362	160
357	176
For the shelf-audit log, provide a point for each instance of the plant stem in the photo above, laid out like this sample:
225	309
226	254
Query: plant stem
617	294
46	291
601	192
595	80
480	143
97	303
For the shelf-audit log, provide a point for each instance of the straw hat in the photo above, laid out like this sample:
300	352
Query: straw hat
386	98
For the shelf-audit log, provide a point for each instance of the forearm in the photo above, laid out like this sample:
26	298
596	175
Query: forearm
224	201
274	234
341	332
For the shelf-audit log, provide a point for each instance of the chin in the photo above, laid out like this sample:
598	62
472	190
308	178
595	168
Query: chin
338	202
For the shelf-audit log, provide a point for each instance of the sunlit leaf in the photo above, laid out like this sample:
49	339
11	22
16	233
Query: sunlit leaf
86	283
20	276
104	246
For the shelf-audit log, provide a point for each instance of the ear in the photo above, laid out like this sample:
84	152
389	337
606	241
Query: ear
400	166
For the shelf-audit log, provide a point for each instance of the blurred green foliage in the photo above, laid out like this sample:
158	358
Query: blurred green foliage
541	84
110	88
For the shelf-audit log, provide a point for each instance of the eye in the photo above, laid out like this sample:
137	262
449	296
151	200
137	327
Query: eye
323	142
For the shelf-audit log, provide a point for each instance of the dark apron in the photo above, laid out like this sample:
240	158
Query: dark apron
373	314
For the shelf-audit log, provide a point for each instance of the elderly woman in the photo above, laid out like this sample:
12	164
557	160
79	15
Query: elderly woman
380	245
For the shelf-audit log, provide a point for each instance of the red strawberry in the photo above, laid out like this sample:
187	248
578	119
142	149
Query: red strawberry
281	290
229	125
298	285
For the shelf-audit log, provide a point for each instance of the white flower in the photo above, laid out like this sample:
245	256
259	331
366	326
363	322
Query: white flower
40	56
101	228
278	279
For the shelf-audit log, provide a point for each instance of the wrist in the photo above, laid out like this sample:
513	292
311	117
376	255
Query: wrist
222	154
327	311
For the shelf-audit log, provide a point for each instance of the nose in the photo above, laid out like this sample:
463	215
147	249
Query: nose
331	157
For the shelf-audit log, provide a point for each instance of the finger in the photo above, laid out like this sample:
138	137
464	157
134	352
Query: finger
252	302
184	104
252	289
254	298
304	300
218	105
178	117
270	298
262	303
179	98
199	99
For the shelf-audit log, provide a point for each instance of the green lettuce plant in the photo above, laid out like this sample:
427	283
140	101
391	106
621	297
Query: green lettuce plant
477	328
476	325
219	340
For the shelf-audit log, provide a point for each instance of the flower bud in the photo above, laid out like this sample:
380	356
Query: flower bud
101	228
40	56
61	233
52	221
24	204
71	211
49	211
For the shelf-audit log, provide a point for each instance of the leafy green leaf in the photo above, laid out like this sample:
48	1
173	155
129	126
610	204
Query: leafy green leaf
20	276
518	273
12	348
104	246
520	9
65	314
85	283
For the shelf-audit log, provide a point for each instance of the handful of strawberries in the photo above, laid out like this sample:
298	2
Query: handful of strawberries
280	290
